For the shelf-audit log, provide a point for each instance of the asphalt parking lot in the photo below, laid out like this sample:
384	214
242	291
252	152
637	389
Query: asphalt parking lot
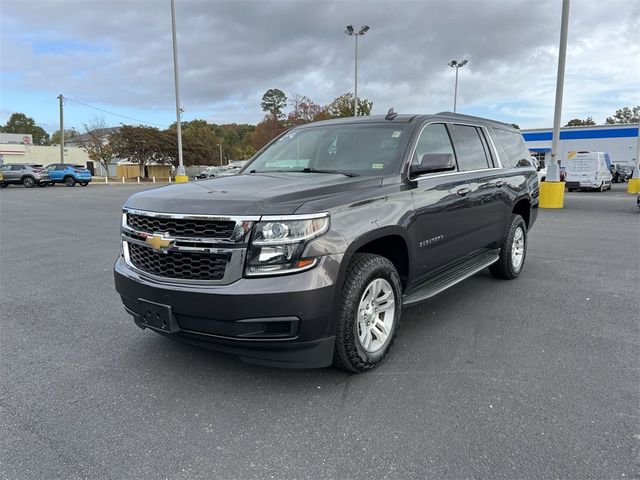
533	378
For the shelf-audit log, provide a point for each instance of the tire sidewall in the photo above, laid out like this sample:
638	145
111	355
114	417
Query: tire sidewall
70	181
28	182
386	271
516	222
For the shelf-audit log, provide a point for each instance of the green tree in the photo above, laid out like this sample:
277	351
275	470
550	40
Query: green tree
577	122
342	106
20	123
68	135
96	141
273	101
199	144
140	144
626	115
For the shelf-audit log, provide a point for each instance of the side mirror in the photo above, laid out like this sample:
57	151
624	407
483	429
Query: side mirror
434	162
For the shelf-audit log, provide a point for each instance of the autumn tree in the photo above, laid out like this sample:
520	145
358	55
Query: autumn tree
95	141
342	106
577	122
268	129
20	123
199	144
304	111
625	115
139	144
273	101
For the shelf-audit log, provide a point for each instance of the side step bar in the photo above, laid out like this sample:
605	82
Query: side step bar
449	277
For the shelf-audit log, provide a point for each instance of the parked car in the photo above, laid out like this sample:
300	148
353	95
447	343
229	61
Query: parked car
213	172
69	174
588	170
542	171
27	174
307	257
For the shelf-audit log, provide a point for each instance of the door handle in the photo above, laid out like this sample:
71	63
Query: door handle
464	192
499	183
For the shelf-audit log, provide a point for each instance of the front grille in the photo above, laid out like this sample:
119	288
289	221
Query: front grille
178	227
179	265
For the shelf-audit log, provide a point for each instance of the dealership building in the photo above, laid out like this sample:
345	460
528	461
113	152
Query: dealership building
620	141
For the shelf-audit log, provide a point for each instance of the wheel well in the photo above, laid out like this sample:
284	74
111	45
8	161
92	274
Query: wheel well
523	208
27	176
394	248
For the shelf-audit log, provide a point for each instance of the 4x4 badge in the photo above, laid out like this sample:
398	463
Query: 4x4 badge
159	242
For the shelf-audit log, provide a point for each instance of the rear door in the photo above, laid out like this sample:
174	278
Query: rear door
15	173
487	204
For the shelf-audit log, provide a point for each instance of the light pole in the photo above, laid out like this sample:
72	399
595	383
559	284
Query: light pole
181	175
220	145
457	65
352	33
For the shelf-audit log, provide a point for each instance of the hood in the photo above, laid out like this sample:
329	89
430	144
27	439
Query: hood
249	194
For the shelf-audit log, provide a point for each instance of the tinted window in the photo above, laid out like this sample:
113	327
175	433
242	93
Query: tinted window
433	139
5	168
61	167
16	167
514	147
470	150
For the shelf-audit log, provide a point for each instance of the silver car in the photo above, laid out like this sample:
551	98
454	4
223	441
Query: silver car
27	174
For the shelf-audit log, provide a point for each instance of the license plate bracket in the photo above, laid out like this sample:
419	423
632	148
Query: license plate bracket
157	316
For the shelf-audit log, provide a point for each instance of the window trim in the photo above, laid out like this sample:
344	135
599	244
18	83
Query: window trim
446	174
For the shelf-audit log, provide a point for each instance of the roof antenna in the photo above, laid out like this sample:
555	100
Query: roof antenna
391	114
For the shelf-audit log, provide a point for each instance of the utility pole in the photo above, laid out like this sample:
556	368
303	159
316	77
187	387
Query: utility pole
220	145
61	98
180	174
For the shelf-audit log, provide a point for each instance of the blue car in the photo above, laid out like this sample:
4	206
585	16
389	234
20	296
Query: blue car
68	174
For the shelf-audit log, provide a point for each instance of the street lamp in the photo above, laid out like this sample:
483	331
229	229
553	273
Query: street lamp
181	175
220	145
457	65
352	33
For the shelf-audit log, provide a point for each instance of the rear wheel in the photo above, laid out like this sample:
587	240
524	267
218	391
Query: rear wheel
52	183
513	250
28	182
369	313
84	184
69	181
4	185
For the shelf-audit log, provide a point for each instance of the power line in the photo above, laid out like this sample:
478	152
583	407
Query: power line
116	114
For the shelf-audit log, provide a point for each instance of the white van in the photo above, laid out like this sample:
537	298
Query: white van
590	170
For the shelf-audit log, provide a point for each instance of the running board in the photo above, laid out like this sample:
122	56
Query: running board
449	277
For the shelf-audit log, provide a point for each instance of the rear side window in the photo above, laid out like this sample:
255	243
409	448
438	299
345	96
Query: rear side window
470	150
514	148
16	167
61	167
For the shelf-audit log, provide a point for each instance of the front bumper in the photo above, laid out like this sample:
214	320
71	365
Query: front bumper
283	321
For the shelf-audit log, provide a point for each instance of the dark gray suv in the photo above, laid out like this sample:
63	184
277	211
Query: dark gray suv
27	174
307	257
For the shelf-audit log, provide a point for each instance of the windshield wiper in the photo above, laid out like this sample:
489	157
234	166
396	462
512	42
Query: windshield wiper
317	170
306	170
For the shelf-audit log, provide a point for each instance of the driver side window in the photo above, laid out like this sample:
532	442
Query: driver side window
433	139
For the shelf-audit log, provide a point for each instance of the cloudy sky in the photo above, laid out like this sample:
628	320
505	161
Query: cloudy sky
116	55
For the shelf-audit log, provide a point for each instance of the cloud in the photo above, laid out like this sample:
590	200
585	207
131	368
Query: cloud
118	54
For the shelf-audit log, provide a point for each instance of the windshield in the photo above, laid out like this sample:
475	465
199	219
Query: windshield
351	149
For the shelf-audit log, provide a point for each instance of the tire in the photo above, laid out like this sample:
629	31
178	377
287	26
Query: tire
51	184
361	343
510	264
69	181
571	189
84	184
43	184
601	187
4	185
28	182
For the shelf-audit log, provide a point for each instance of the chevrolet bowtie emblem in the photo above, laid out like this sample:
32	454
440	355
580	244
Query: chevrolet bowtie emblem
159	242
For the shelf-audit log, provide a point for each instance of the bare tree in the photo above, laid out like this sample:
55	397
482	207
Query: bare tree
95	140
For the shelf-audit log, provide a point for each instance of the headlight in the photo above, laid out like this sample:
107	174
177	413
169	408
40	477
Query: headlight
278	242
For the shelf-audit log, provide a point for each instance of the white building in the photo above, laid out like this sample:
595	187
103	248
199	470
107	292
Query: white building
619	141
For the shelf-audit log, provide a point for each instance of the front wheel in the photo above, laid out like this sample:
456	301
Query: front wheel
369	313
513	250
